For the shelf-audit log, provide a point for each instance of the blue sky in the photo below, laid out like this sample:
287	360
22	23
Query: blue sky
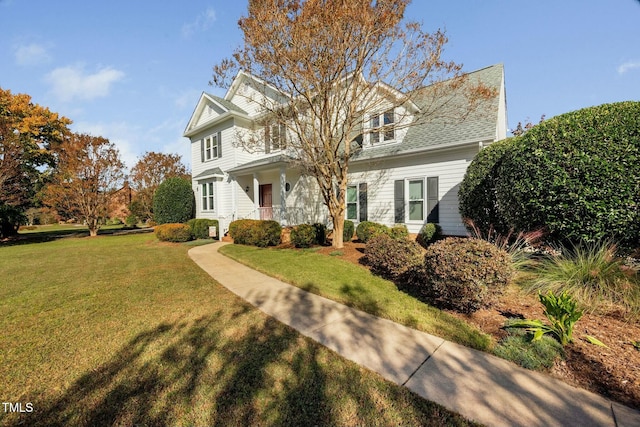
132	71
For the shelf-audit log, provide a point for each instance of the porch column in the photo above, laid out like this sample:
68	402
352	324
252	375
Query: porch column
256	196
283	196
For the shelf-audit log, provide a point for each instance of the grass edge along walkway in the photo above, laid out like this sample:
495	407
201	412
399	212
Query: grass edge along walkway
356	287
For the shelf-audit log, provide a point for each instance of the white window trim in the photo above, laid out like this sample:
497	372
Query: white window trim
211	146
408	201
357	203
205	198
379	129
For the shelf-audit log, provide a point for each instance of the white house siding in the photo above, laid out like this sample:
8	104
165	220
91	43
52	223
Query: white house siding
449	166
209	112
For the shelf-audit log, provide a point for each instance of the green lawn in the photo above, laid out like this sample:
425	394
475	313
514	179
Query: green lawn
124	330
355	286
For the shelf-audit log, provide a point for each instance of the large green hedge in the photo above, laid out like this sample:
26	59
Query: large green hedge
173	201
577	175
477	193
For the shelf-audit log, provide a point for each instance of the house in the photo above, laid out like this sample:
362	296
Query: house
406	175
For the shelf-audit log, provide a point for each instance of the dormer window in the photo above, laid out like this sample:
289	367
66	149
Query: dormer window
275	137
383	127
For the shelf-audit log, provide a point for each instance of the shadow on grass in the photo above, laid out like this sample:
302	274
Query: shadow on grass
223	369
50	235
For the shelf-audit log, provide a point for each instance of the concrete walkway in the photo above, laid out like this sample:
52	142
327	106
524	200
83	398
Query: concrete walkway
477	385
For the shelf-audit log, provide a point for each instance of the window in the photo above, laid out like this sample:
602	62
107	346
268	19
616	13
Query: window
416	200
421	201
386	132
211	147
357	202
352	202
207	196
275	137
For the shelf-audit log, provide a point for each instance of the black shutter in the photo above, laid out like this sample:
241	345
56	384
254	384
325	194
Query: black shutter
219	144
398	200
432	200
202	150
363	200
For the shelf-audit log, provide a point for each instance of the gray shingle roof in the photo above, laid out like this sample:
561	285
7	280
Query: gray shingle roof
227	104
442	129
209	173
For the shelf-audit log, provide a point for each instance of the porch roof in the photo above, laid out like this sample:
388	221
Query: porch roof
261	164
210	173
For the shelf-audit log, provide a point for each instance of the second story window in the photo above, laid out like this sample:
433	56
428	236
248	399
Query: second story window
383	127
275	138
211	147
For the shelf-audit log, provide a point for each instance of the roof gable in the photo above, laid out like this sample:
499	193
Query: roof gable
208	109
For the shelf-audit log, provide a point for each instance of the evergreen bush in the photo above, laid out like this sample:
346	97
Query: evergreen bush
304	236
367	229
429	233
348	230
200	227
577	175
255	232
173	201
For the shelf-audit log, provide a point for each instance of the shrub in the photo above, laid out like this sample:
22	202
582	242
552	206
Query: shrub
429	233
173	232
173	201
367	229
348	230
399	231
391	257
577	175
200	227
131	220
465	274
304	236
476	195
590	273
255	232
321	233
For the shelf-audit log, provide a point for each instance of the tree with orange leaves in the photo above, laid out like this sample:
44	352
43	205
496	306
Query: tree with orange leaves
147	174
88	172
332	62
28	133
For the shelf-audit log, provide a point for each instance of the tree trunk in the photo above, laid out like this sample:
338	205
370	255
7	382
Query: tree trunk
93	228
338	228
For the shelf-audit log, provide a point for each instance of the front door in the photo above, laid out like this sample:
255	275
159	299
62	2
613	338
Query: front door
266	201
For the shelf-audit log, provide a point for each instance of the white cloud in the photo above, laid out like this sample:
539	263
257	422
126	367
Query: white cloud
202	23
74	83
31	54
628	66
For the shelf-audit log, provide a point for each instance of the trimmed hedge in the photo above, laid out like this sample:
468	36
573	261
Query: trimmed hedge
255	232
367	229
465	274
577	175
477	193
173	201
348	230
304	236
173	233
429	233
321	233
390	257
200	227
399	231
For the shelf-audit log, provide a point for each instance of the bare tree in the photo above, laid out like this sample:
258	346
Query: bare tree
89	171
327	66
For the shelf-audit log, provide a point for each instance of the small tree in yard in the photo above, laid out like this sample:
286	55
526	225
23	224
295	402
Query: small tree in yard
329	65
173	201
89	171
